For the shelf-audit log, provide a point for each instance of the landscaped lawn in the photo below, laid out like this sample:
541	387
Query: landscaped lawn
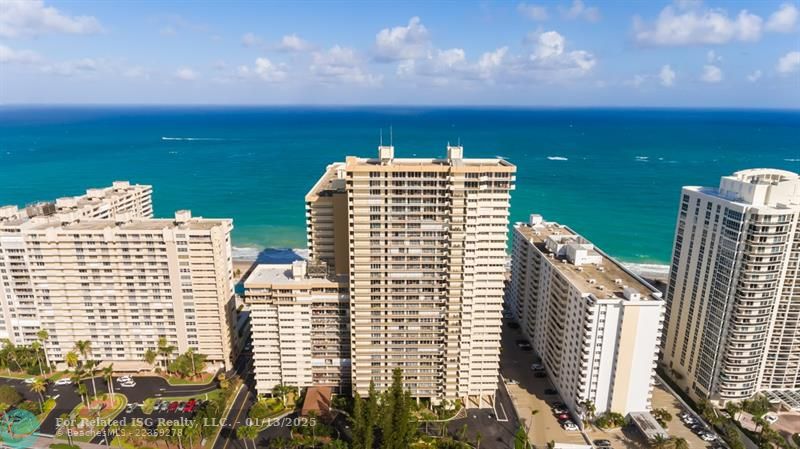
86	419
204	379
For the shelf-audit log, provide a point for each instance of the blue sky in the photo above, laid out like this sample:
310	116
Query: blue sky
531	53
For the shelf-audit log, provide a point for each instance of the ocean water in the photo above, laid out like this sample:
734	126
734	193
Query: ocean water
614	175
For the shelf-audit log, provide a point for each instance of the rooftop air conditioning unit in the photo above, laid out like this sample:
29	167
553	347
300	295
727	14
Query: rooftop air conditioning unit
592	281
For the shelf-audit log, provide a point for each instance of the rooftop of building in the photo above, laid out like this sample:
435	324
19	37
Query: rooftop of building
455	158
183	220
297	273
331	181
587	268
765	187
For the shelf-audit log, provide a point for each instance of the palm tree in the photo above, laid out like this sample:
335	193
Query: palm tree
37	347
108	375
38	386
247	433
192	430
680	443
659	442
83	391
71	359
150	357
84	348
66	420
43	335
165	349
11	354
281	390
279	443
589	410
530	424
478	441
91	366
223	381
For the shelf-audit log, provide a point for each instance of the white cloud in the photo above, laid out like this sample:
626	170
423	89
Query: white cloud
75	67
579	10
31	17
549	54
667	76
251	40
712	57
637	80
186	74
788	63
784	19
711	74
402	42
293	43
755	76
444	67
533	12
11	56
696	26
264	69
341	65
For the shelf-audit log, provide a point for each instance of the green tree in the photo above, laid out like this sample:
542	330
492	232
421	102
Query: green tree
359	422
247	433
371	414
9	395
659	442
478	438
84	348
165	350
66	423
150	357
680	443
534	412
91	367
37	349
71	359
39	386
397	427
43	336
108	375
521	438
733	409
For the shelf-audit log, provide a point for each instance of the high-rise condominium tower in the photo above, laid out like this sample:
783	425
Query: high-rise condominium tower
98	267
422	245
595	324
733	301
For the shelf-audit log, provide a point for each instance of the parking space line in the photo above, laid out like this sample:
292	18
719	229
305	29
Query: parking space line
505	415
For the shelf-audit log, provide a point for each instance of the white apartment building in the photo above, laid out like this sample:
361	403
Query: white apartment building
595	325
299	324
733	301
98	267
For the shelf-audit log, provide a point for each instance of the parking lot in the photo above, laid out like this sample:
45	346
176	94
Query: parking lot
146	387
528	393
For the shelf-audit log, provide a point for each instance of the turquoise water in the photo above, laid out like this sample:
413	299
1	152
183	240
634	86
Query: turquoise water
612	174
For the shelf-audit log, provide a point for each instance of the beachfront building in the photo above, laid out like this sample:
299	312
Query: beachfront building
98	267
299	324
418	248
733	301
595	325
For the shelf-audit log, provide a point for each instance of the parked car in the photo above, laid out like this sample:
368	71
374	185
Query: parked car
563	417
130	384
181	406
560	410
570	426
550	391
770	418
172	406
602	443
537	367
708	436
124	379
511	382
189	407
164	406
131	407
29	380
64	381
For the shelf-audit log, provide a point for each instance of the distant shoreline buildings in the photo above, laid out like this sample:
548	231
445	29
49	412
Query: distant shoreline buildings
98	267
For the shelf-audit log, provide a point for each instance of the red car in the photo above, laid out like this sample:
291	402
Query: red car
189	407
172	406
563	417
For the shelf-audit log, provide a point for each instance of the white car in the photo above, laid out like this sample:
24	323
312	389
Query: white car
124	379
64	381
570	426
708	436
537	367
29	380
770	418
130	384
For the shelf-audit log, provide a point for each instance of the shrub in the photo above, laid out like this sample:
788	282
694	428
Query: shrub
9	395
757	406
63	446
610	420
29	406
49	404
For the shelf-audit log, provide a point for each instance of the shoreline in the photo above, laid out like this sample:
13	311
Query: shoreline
245	257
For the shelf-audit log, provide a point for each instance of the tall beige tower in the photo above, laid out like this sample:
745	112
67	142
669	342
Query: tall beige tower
425	244
733	302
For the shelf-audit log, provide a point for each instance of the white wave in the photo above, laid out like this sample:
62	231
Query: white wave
193	138
792	159
557	158
642	158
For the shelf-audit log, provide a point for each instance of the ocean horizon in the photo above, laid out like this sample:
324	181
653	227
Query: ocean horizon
612	174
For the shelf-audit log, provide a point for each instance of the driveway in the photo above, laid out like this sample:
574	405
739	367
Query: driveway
528	394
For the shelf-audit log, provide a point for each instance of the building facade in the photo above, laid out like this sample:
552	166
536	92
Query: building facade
733	301
595	325
420	246
299	322
98	267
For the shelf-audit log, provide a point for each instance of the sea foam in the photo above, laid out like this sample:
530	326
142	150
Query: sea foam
557	158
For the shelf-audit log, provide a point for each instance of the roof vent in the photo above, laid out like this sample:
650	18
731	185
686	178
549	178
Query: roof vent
592	281
183	216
